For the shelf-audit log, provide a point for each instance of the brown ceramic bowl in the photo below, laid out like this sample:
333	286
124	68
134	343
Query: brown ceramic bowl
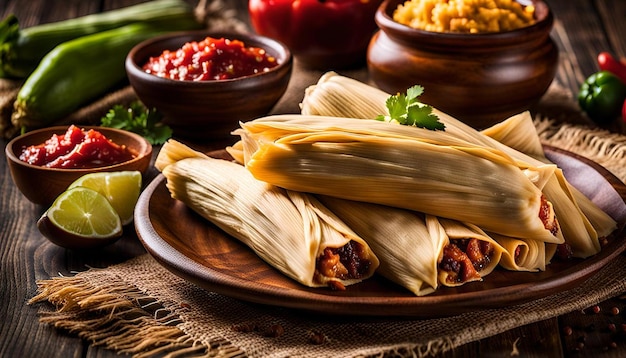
41	185
208	109
480	79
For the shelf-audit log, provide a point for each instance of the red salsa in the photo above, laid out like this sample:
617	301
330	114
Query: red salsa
210	59
77	148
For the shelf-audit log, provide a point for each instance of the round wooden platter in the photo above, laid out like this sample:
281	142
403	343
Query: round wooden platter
192	248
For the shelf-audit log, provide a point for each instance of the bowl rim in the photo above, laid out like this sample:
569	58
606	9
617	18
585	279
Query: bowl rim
142	152
385	21
281	51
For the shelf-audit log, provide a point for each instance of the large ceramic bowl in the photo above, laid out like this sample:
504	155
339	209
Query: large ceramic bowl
41	185
479	78
208	109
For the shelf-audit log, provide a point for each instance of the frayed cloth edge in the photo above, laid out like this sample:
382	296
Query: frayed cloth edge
114	317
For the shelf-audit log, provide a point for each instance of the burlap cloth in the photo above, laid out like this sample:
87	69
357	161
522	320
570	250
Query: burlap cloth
140	308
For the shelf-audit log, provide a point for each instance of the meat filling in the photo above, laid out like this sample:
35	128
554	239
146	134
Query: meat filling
548	217
350	261
463	259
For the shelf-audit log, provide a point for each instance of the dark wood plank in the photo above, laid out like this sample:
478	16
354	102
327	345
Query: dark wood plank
596	331
532	340
579	32
612	15
584	28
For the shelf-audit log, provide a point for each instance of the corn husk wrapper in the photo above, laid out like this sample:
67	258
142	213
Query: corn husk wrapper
408	248
288	230
523	255
456	230
392	165
581	220
519	133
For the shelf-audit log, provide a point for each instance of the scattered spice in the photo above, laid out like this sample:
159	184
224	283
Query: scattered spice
568	331
596	309
245	327
316	337
274	331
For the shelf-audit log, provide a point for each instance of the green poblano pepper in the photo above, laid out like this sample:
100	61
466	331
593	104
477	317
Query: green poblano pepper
601	96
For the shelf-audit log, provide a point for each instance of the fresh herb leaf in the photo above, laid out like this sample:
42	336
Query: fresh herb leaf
138	119
407	110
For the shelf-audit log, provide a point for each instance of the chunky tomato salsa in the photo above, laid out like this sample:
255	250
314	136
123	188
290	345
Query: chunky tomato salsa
210	59
77	148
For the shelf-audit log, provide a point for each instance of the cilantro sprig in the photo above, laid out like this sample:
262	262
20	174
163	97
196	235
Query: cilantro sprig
138	119
407	110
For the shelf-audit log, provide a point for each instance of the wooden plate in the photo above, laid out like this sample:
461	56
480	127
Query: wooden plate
194	249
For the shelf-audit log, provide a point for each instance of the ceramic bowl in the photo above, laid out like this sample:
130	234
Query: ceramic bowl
208	109
480	79
42	185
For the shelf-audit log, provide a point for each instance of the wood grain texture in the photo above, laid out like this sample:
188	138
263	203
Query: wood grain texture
585	26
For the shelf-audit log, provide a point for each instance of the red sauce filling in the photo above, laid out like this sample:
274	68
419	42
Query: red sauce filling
76	148
546	214
347	262
210	59
463	259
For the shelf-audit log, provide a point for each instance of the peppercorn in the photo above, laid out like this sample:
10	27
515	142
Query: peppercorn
567	330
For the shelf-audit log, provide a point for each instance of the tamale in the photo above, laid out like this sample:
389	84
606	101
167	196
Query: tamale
290	231
522	255
417	251
581	231
580	219
339	96
388	164
408	249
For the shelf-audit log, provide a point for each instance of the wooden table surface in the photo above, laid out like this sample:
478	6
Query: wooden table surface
583	29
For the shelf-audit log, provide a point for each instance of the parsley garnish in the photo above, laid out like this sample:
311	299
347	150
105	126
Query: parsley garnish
407	110
138	119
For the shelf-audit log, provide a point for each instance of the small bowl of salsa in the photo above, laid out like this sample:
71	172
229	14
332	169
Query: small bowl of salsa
205	83
44	162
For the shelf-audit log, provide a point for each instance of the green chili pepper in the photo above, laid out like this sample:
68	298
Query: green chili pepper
601	96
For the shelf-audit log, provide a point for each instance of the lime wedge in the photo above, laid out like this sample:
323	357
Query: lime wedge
121	189
80	218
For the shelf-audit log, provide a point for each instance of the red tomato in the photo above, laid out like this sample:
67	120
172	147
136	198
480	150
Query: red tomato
323	34
606	62
77	148
210	59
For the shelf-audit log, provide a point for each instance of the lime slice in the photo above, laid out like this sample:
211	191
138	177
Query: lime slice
121	189
80	218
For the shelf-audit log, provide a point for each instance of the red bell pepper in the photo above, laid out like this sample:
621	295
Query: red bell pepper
609	63
321	33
